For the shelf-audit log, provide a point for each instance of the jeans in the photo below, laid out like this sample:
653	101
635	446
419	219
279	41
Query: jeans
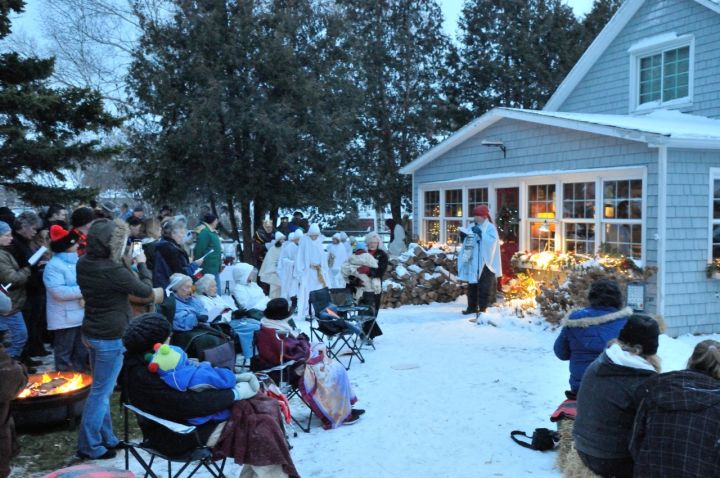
14	325
96	433
71	354
245	329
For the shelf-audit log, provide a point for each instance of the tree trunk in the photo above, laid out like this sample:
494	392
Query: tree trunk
396	211
246	233
233	222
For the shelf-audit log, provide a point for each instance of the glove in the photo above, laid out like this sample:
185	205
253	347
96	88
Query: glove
476	230
247	386
363	270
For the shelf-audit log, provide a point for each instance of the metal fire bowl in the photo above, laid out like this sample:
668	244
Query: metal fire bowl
46	410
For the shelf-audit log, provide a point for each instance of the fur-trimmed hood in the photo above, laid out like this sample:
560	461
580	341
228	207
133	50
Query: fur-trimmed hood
587	321
107	239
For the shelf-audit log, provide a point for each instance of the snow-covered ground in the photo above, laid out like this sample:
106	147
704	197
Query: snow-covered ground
442	396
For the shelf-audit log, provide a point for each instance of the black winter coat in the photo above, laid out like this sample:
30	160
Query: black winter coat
607	401
174	260
382	259
106	283
677	428
148	392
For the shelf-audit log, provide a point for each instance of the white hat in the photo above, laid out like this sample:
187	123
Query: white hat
297	235
343	236
337	236
279	236
314	230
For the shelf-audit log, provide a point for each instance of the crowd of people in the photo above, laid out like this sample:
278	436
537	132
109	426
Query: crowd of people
632	420
91	283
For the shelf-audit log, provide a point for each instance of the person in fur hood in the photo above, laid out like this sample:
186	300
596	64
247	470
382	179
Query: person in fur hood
105	282
355	271
586	332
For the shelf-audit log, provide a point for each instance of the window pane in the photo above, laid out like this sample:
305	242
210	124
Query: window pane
453	203
635	210
580	238
676	65
432	203
476	197
625	239
636	188
623	199
716	241
609	189
432	231
623	189
716	209
452	232
541	240
542	201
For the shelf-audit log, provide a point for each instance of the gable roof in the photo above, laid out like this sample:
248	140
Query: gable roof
661	127
616	24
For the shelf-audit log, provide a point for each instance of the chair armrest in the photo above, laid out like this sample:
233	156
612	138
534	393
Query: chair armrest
170	425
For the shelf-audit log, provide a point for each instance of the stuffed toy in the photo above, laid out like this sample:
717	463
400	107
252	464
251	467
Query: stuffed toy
358	266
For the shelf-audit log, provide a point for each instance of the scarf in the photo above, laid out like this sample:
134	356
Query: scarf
618	356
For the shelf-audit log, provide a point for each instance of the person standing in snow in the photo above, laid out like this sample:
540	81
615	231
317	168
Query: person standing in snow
373	242
286	268
479	261
336	257
208	245
269	269
345	241
611	391
397	238
310	267
587	331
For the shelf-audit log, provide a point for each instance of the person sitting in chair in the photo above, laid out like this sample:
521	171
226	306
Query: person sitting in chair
248	295
189	311
323	382
253	415
207	292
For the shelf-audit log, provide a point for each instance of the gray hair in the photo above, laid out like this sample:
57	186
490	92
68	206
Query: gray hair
173	224
374	236
177	279
203	284
27	218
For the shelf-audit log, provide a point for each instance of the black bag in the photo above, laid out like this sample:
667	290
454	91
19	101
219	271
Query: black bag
543	439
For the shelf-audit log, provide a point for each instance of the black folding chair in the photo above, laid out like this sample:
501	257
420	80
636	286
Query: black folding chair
200	455
342	336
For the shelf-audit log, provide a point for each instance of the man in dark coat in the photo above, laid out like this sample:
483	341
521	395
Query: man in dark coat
13	378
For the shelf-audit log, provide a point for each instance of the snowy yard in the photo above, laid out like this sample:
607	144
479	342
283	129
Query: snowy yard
442	396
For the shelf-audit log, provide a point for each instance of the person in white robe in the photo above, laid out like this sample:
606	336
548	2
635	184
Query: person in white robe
286	267
248	295
336	257
269	268
397	243
345	240
310	267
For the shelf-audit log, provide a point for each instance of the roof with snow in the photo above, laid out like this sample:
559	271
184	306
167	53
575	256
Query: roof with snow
659	128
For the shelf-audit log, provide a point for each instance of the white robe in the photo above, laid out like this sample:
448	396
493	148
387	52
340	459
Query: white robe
269	271
337	255
397	246
286	270
310	253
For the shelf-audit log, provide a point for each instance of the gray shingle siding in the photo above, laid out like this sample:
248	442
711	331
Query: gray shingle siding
606	87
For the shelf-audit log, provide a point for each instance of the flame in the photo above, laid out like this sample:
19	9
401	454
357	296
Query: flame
74	382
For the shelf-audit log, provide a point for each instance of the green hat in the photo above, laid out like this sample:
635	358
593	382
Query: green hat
165	358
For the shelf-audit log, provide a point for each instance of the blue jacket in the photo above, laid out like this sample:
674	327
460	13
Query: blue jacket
64	307
585	335
188	313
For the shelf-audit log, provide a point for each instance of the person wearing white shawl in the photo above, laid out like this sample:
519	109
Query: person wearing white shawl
248	295
336	257
206	290
310	267
269	268
286	267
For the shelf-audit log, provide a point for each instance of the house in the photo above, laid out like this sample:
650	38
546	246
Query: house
626	153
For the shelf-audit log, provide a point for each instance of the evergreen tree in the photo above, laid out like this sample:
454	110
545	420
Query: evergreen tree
596	19
44	131
398	51
514	53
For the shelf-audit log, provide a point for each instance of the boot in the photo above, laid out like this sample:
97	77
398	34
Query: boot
472	296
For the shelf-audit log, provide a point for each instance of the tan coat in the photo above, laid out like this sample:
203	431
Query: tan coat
13	378
12	273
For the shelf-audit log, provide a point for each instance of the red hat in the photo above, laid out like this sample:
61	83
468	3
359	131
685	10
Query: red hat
482	211
61	239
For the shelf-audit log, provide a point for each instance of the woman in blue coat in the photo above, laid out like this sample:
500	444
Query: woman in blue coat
586	332
65	308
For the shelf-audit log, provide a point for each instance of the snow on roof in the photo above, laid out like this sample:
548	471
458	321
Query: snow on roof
672	124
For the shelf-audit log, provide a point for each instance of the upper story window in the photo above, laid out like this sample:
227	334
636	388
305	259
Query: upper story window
661	72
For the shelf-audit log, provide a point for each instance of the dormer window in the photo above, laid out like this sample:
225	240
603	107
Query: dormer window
661	72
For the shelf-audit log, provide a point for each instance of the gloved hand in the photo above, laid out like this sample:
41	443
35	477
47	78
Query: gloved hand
476	230
247	386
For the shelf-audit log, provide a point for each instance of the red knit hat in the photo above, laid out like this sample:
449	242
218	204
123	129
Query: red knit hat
482	211
61	239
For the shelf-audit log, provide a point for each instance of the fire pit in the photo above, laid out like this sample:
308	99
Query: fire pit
51	398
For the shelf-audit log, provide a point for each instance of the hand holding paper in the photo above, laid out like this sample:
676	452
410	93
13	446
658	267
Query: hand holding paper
38	254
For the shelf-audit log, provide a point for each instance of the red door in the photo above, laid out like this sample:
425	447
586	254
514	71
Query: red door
508	224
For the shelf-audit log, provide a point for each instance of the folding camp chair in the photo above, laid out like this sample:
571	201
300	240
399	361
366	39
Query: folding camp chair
281	374
362	312
201	454
340	335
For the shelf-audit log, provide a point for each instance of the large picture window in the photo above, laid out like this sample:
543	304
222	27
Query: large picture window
622	217
579	217
541	208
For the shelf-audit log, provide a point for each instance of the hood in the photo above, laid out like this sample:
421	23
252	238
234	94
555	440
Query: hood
588	320
69	257
241	272
686	390
107	239
607	368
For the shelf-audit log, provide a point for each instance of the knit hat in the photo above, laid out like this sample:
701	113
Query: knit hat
4	228
279	236
643	330
360	246
297	235
144	331
314	230
166	358
277	309
82	216
209	218
61	239
482	211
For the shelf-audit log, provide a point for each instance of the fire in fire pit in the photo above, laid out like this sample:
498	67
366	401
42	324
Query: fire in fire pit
51	398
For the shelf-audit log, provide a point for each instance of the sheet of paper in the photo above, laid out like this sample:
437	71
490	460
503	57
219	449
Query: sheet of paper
38	254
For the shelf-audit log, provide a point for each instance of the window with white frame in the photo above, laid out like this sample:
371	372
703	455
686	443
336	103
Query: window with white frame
477	197
541	217
578	220
662	72
622	217
431	216
715	191
452	219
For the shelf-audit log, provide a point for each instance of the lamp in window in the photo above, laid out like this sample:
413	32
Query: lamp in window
544	227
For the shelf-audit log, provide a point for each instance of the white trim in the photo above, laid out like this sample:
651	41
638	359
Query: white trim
654	46
662	227
616	24
714	175
711	4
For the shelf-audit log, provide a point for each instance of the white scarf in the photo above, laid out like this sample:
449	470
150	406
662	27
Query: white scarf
618	356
